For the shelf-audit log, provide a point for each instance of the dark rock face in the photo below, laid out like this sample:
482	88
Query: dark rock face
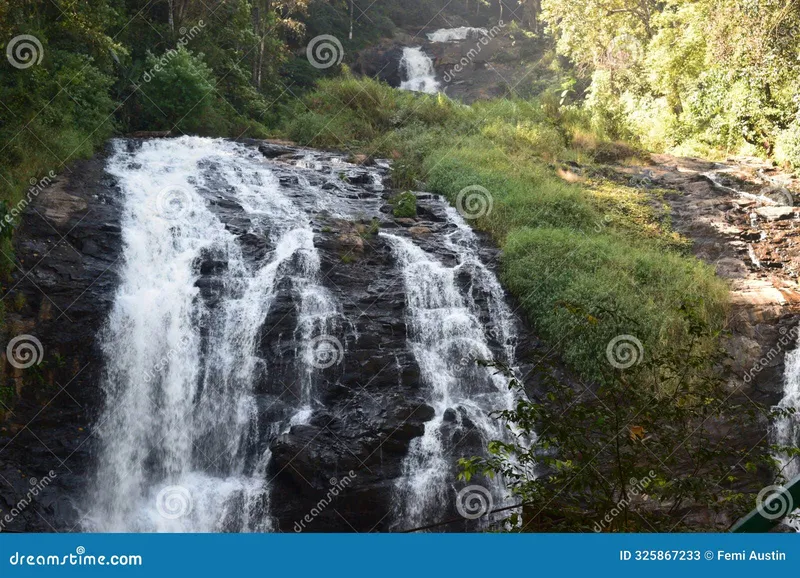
371	405
68	244
381	62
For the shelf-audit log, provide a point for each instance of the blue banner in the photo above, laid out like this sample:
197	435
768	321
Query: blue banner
382	556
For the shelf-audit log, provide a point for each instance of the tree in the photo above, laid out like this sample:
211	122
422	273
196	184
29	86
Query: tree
638	450
274	21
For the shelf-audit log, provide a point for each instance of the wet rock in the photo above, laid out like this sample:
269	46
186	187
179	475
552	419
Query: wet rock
775	213
419	231
68	247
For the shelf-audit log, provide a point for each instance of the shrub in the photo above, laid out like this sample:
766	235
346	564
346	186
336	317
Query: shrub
178	90
559	272
788	145
404	205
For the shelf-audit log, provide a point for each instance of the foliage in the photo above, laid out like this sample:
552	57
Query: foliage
179	92
404	205
710	74
788	144
624	456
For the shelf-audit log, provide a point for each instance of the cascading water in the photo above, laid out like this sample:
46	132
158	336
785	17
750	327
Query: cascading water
448	339
417	67
786	430
456	34
181	416
237	328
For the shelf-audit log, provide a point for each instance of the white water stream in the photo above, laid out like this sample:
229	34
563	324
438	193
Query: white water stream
418	71
447	339
180	442
455	34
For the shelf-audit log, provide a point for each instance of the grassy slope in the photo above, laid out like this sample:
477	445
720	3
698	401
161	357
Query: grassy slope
588	261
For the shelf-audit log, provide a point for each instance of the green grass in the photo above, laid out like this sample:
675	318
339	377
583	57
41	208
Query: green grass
587	260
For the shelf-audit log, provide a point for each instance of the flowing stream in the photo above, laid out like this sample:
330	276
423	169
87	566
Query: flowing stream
448	339
786	430
418	71
456	34
192	401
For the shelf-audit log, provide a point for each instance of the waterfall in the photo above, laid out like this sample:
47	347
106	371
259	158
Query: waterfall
447	338
417	67
182	448
786	430
219	246
456	34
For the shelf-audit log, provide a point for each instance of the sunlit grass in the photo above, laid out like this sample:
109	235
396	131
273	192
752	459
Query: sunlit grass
579	243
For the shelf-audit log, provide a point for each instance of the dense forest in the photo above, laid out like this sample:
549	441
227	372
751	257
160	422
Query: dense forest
588	256
708	77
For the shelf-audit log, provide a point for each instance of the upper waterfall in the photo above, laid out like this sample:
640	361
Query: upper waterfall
418	71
